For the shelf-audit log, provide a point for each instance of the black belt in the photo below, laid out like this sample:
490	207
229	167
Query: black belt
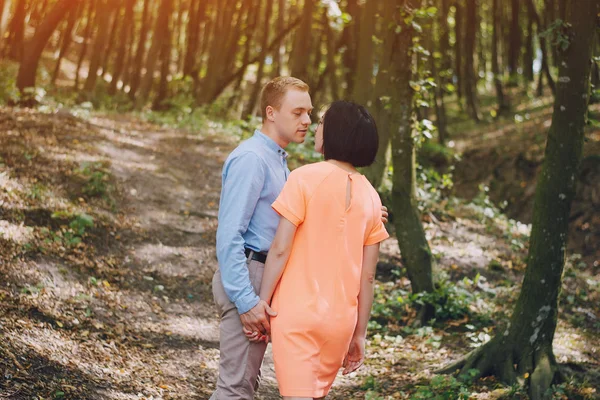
256	256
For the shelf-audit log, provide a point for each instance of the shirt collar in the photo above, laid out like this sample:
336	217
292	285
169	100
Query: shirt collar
270	143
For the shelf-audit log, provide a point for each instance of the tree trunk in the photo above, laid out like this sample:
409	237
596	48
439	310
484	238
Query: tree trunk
381	97
159	36
17	31
514	44
102	18
35	46
86	38
527	341
529	48
458	60
66	40
470	74
251	105
165	59
277	56
197	13
137	65
503	105
301	48
409	229
349	40
124	39
363	80
446	61
114	27
4	14
545	66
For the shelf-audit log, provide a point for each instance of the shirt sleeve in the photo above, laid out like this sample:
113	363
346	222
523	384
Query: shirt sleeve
378	232
243	181
291	202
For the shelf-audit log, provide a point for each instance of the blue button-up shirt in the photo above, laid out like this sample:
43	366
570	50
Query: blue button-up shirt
253	176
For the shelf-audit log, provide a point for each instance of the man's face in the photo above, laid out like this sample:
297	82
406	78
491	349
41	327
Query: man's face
293	117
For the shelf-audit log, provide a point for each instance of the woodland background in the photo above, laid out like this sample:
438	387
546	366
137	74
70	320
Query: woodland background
116	117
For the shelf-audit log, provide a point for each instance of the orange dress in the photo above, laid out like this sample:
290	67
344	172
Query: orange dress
317	296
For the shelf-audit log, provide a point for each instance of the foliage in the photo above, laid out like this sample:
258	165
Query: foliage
444	387
96	179
556	34
9	93
451	301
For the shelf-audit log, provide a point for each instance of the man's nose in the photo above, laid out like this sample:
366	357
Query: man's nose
306	119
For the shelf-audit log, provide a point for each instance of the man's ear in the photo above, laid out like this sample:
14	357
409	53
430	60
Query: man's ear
270	111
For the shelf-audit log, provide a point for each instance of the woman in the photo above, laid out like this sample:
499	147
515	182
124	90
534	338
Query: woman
319	272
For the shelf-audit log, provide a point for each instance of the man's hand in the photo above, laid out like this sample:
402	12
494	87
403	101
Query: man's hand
256	337
356	355
384	214
257	319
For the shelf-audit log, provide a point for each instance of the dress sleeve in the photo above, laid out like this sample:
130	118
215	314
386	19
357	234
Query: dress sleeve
378	232
291	203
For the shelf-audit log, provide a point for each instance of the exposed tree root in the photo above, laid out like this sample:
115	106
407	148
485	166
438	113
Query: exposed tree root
504	360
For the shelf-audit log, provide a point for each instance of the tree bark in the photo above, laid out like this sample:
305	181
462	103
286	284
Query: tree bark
114	28
256	88
102	18
529	48
349	40
364	65
381	97
470	74
527	341
543	48
409	229
197	16
136	66
446	61
277	56
159	36
515	43
503	105
35	46
16	31
66	40
458	60
301	48
165	58
86	38
124	39
5	6
223	83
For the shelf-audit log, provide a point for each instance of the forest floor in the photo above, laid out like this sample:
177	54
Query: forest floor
107	236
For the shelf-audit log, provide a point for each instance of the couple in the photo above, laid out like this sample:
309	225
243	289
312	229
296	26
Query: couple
321	226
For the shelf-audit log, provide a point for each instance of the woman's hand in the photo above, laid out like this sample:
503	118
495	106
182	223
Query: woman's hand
356	355
384	214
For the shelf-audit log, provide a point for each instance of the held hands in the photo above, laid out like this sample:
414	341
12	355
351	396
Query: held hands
384	214
256	321
356	355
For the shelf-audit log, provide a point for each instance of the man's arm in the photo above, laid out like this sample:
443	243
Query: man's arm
243	182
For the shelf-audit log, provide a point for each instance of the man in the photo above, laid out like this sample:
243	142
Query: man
253	176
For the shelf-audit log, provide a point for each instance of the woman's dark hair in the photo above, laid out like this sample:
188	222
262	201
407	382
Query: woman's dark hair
349	134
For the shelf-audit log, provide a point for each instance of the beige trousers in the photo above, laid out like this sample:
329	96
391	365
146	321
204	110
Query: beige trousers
239	365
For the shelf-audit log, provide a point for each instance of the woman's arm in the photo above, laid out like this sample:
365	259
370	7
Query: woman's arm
356	351
277	259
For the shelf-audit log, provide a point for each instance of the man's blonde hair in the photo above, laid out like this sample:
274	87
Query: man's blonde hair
273	92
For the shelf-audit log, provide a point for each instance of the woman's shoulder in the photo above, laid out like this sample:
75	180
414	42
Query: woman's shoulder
312	171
